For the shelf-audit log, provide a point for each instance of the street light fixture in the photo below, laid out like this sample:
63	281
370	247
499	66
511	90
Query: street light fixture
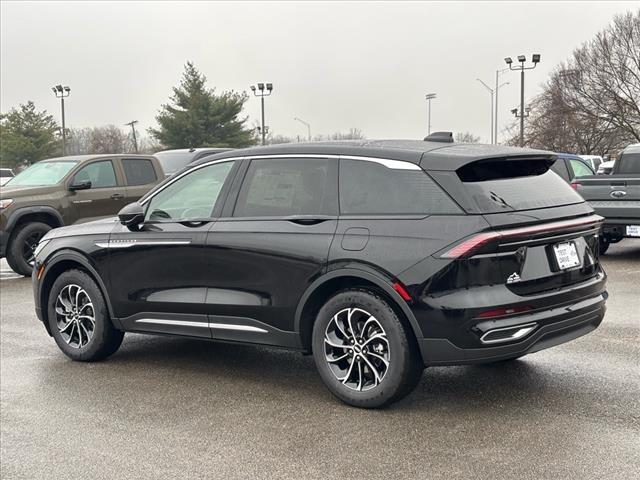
133	130
305	123
62	92
535	59
494	139
262	93
429	97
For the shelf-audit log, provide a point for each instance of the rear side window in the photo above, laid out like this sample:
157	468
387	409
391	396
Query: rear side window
139	171
370	188
560	168
285	187
629	163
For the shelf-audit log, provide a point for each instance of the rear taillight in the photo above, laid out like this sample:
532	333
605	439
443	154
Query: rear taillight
574	185
471	245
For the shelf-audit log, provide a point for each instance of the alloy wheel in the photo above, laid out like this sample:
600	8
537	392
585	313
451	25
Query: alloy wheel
75	316
357	349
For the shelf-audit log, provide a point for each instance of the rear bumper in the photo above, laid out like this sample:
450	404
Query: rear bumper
617	227
553	327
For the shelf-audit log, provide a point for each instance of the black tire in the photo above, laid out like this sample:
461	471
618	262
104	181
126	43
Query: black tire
405	365
104	340
24	241
603	244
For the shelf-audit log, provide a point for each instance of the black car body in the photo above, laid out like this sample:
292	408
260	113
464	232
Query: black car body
481	253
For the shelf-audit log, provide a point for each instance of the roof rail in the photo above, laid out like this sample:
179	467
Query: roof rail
444	137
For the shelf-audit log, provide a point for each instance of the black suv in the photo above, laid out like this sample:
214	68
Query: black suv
378	257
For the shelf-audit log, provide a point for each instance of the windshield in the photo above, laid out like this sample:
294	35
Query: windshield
173	161
42	173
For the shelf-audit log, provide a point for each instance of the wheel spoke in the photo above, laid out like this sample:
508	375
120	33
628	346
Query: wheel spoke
369	360
69	323
86	332
85	306
87	317
79	335
68	340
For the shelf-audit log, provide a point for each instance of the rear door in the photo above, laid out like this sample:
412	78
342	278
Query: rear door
106	195
270	245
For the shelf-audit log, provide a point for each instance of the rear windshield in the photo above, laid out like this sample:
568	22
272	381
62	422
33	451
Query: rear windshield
629	163
173	161
512	190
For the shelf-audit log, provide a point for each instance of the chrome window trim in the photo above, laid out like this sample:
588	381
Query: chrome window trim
391	164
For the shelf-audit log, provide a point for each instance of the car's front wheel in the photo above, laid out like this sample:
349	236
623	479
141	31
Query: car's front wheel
79	320
21	250
364	353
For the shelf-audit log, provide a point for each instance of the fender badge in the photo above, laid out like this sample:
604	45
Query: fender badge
513	278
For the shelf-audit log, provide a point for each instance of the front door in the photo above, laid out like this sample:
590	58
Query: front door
270	245
105	198
159	275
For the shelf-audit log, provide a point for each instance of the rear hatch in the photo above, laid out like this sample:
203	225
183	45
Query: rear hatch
615	196
542	235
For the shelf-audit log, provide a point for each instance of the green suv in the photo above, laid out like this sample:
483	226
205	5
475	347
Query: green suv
64	191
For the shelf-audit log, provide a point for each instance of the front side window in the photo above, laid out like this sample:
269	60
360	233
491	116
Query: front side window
191	197
138	171
100	174
370	188
285	187
579	168
42	173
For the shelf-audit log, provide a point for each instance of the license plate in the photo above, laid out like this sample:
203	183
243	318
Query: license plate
566	255
633	230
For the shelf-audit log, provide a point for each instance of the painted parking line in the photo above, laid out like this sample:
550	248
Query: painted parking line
9	275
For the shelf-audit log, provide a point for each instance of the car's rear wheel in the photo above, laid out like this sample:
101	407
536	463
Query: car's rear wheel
20	254
364	353
79	320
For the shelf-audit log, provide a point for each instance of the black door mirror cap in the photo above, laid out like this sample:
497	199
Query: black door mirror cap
131	215
86	185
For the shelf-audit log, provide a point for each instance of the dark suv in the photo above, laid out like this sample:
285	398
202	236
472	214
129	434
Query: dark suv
377	257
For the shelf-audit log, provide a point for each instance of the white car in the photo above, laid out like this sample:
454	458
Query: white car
605	168
6	174
593	160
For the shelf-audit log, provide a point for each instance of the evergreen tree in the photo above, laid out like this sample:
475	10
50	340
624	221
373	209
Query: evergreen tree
198	117
27	136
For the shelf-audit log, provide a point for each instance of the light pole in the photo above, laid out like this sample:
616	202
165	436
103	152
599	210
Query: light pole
495	129
535	58
262	92
62	92
305	123
429	97
133	130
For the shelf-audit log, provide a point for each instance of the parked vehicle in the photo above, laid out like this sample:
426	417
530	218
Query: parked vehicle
594	161
6	174
173	161
64	191
606	168
616	197
417	253
570	166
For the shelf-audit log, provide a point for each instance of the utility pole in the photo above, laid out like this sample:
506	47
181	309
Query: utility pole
62	92
535	58
495	129
133	130
429	97
263	92
305	123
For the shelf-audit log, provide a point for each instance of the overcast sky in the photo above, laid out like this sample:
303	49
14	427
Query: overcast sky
334	64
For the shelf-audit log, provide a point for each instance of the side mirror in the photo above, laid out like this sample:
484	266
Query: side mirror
131	215
86	185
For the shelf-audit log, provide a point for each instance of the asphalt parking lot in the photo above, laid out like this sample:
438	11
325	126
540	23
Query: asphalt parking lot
179	408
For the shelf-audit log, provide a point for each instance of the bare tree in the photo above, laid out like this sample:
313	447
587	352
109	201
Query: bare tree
466	137
602	77
103	139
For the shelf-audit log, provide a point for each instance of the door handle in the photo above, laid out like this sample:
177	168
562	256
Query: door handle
308	219
117	196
